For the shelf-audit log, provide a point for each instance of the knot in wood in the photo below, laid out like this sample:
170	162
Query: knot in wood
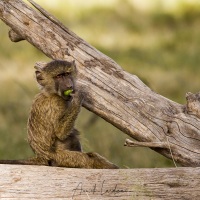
14	37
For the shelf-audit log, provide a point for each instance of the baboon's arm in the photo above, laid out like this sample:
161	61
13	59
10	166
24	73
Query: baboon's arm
66	125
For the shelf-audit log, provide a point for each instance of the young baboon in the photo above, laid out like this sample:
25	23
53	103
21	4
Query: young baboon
51	132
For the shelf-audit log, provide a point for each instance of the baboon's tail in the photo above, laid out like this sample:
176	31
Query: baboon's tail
32	161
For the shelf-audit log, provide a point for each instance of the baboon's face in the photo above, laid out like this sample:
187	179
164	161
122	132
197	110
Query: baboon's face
57	77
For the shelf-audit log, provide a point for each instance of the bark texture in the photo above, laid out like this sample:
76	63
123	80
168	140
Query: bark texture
112	93
30	182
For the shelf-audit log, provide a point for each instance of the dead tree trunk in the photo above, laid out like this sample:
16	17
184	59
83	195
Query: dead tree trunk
115	95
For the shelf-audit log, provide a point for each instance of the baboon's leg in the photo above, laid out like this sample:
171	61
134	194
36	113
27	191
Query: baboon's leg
72	142
71	159
75	159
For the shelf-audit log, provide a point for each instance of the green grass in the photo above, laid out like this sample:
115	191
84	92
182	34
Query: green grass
161	48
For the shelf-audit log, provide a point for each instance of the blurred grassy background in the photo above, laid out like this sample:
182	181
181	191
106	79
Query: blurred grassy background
157	40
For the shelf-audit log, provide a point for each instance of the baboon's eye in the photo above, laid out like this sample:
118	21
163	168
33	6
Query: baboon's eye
62	75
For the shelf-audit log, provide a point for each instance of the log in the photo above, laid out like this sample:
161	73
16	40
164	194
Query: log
112	93
41	182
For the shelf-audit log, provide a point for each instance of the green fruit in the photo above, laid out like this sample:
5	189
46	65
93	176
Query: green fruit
68	92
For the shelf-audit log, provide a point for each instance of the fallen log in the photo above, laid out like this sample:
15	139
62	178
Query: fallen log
40	182
115	95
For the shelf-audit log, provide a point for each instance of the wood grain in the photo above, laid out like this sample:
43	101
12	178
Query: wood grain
39	182
112	93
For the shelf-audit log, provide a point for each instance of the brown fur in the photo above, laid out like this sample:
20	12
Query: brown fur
51	132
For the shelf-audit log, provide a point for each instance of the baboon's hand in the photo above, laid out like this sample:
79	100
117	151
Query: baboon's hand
77	100
78	97
99	162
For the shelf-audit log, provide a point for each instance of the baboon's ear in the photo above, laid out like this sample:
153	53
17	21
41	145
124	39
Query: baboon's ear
39	75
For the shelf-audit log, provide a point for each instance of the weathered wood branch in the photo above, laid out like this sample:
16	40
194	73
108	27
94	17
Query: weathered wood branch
117	96
30	182
130	143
